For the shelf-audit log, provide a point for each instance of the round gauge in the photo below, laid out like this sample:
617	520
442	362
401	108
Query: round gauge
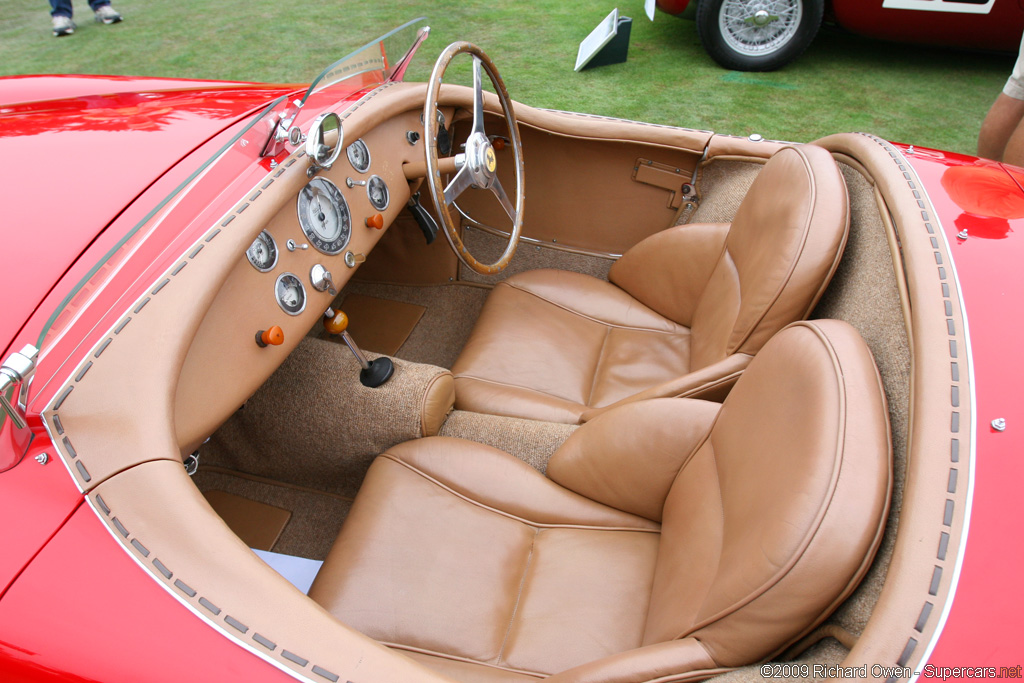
359	156
262	253
324	216
377	191
290	294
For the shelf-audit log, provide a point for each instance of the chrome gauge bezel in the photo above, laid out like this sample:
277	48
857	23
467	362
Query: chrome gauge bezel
375	180
320	153
267	239
359	147
291	279
337	203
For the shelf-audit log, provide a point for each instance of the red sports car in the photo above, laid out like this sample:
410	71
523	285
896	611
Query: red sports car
763	35
736	407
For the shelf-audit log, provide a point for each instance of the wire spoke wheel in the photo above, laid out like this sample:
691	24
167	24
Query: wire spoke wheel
757	35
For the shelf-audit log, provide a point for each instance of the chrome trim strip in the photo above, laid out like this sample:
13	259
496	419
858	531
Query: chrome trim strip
939	6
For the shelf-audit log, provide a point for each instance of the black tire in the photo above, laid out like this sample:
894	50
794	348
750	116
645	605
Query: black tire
740	50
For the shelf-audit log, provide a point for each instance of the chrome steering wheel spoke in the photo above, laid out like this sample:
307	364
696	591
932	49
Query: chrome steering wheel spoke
506	204
478	97
462	181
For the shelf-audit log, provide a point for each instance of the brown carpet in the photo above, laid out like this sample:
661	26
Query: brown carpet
313	424
316	517
531	441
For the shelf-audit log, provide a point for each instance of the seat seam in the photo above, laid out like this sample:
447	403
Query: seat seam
456	658
539	525
686	330
597	366
519	595
517	386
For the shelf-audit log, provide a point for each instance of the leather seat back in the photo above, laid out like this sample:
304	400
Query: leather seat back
735	286
774	519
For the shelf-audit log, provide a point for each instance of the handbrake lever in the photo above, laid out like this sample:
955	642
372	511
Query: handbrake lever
423	218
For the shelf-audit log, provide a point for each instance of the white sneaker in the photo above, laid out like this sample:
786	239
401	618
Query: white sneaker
63	26
108	15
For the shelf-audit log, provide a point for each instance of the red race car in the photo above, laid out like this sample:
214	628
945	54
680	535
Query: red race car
763	35
735	405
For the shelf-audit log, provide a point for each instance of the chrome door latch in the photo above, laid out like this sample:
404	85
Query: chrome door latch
17	369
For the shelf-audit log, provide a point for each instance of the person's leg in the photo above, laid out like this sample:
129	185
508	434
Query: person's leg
1005	114
60	8
999	127
1014	153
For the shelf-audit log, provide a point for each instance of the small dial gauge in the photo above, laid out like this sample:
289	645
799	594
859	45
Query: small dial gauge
262	253
324	216
359	156
290	294
377	191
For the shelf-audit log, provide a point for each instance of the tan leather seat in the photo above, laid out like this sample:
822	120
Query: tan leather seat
670	536
684	311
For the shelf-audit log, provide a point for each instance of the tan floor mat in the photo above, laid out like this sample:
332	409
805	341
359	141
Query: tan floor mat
259	525
380	325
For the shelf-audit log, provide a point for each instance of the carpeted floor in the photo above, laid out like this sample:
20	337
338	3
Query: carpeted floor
316	516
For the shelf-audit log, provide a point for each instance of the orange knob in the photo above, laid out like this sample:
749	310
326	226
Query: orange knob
375	221
498	144
337	323
271	337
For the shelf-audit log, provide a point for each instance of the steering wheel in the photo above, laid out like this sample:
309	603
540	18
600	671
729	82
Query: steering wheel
477	166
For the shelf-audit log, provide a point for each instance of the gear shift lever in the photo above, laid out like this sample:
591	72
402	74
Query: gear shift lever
374	372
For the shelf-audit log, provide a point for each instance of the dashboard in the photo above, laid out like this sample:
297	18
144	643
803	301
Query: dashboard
308	229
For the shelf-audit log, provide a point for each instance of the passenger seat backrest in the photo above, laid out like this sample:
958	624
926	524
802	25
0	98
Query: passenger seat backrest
781	251
775	518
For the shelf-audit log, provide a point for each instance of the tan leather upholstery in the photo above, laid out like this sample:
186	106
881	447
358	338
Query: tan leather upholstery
673	535
692	299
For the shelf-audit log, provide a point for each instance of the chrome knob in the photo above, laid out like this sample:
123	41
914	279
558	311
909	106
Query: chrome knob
322	280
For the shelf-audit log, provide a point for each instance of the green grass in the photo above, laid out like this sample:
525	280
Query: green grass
929	96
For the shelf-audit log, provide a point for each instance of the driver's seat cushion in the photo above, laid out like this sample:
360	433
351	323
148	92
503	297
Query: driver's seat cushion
683	311
671	536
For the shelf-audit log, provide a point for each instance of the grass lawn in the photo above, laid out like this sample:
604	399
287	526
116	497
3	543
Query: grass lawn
929	96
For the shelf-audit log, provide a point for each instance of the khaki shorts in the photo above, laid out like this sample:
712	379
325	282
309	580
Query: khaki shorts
1015	83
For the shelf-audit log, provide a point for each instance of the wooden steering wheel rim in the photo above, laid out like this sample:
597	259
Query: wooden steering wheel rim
434	182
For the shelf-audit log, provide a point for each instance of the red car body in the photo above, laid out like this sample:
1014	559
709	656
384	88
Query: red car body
75	607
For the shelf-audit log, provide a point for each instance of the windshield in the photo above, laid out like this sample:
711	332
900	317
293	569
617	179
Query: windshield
379	61
376	62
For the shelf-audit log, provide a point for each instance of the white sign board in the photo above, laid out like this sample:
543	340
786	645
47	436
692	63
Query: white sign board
597	39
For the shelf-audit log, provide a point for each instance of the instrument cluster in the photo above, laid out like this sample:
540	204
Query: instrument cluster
325	220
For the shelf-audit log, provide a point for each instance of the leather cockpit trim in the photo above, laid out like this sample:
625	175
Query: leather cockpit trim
908	617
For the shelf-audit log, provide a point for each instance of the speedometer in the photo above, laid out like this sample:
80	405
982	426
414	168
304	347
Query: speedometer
324	216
